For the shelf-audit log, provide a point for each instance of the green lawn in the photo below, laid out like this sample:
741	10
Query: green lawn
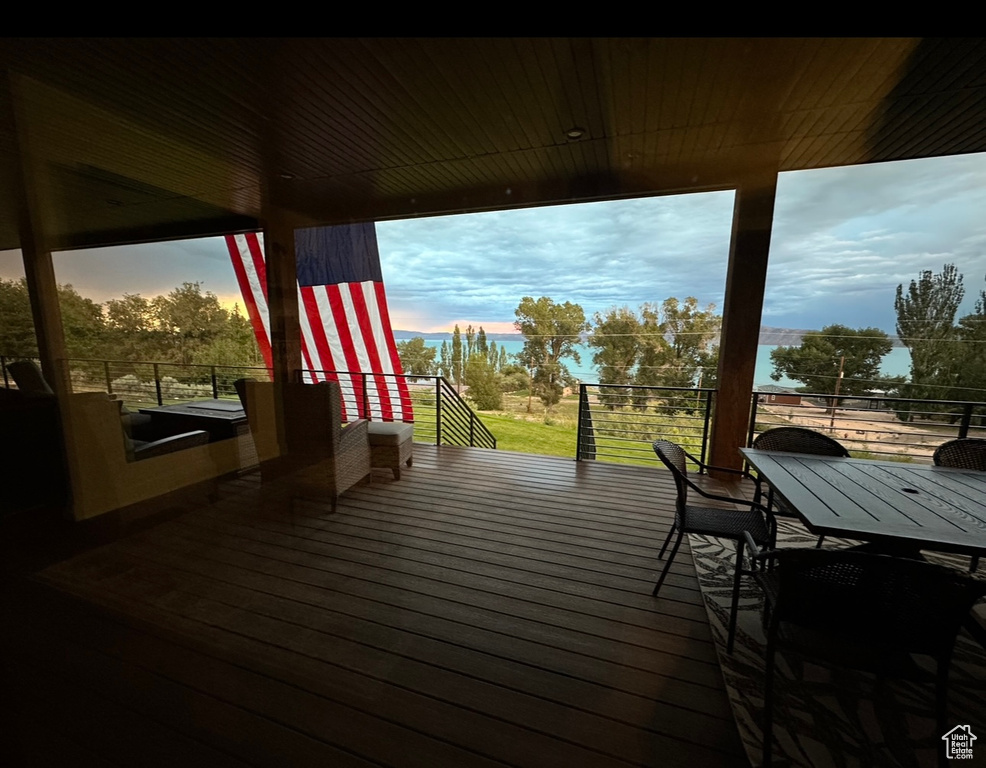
513	434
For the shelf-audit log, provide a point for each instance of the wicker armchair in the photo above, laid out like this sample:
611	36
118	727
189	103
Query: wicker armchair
795	440
963	453
317	457
863	611
710	521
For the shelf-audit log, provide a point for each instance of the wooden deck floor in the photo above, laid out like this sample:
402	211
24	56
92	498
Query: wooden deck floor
488	609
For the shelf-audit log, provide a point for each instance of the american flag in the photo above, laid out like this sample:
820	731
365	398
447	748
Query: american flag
345	326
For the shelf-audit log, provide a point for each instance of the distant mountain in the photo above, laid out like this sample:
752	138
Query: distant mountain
447	336
789	337
786	337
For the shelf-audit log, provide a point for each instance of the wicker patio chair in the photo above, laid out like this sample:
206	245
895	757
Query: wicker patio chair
319	457
963	453
795	440
29	379
709	521
863	611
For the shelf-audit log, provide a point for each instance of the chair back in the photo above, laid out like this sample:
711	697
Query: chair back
874	601
240	385
29	379
799	440
962	453
673	457
312	417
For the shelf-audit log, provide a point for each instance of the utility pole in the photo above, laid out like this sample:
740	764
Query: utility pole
530	386
835	400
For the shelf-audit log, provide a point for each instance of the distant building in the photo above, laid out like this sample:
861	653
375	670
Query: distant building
771	394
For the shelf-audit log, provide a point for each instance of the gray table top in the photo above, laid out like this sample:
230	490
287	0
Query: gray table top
225	410
928	507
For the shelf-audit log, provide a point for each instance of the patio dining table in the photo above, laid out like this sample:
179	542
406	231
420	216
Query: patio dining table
895	505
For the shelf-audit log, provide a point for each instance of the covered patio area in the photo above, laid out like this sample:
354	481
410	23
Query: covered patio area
490	608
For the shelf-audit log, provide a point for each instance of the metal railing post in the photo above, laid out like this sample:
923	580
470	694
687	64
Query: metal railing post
3	366
706	424
753	419
438	411
215	384
966	421
366	398
472	429
106	373
157	385
578	429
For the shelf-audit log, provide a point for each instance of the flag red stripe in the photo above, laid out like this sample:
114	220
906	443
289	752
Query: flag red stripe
369	340
249	299
341	320
317	329
395	359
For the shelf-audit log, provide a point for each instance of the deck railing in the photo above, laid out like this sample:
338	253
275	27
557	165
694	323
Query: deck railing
615	423
439	414
879	427
620	423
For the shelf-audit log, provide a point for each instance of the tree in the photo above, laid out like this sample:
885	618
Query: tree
16	321
683	339
971	343
417	359
926	326
551	334
457	360
481	345
189	320
83	324
445	361
484	387
815	363
132	328
616	336
673	344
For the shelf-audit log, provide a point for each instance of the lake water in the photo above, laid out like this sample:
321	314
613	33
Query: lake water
896	363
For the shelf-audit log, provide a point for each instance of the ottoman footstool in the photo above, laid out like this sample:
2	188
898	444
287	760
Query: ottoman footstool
391	444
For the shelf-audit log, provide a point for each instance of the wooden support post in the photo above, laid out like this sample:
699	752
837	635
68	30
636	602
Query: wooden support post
42	287
753	213
282	294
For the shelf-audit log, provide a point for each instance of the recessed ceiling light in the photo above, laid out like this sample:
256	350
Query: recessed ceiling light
574	134
287	176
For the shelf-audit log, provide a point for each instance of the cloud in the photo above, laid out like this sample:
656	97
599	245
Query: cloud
843	239
597	255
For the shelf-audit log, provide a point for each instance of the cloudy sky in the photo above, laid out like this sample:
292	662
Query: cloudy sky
843	240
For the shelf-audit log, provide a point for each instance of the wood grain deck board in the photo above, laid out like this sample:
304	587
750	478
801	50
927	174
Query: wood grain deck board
489	608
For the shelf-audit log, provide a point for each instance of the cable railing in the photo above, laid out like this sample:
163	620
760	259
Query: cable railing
878	427
141	384
431	403
619	423
615	423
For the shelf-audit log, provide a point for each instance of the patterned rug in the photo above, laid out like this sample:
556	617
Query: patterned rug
825	717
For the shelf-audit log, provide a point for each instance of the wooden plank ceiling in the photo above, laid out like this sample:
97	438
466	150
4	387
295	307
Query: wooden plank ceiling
127	140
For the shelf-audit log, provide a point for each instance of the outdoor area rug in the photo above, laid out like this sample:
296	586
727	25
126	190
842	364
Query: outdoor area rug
826	717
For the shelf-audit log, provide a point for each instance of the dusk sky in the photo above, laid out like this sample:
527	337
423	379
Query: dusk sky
843	240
